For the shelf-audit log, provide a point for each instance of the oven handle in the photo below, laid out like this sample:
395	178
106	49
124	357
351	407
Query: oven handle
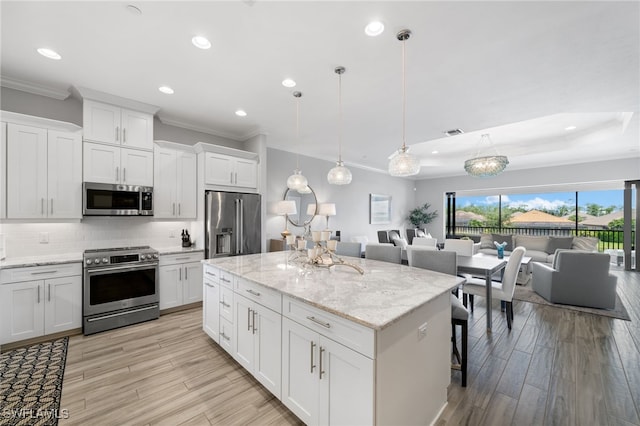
118	314
123	268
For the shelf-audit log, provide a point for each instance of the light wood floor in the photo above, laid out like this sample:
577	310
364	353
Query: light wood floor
555	367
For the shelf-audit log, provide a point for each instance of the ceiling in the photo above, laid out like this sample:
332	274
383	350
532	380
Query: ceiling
521	71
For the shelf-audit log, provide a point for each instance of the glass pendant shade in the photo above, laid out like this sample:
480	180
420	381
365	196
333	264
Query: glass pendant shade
339	175
404	164
297	181
486	166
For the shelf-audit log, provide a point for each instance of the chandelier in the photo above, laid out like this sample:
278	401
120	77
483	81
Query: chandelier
486	165
402	163
339	175
297	181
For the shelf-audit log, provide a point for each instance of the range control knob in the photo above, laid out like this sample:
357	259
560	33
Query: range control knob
96	261
155	255
105	260
89	261
143	256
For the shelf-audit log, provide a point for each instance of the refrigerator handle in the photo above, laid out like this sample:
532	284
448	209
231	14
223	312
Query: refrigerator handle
241	227
238	225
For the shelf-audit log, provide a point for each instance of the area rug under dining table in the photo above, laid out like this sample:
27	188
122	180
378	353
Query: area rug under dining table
526	294
31	383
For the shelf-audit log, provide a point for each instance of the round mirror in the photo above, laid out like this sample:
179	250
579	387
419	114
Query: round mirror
306	206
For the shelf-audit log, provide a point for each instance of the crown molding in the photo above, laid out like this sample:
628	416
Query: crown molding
96	95
202	129
36	89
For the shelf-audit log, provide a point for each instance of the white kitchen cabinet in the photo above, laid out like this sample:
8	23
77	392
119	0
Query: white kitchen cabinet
225	170
211	306
44	173
175	184
111	164
324	382
257	337
111	124
180	279
3	171
40	300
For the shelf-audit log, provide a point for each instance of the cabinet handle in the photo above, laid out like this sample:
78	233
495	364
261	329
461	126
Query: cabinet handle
52	206
223	303
124	175
179	213
43	272
228	281
38	294
174	210
210	273
236	178
41	206
117	174
180	278
186	258
208	285
124	135
231	177
255	293
254	321
321	371
185	273
117	133
49	296
324	324
313	345
224	336
248	319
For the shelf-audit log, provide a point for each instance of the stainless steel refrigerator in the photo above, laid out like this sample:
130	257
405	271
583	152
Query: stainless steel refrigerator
232	224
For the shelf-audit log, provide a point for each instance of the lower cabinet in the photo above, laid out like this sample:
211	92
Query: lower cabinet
324	382
211	308
36	307
257	342
180	279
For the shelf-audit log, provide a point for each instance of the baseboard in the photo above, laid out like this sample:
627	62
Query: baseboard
181	308
35	340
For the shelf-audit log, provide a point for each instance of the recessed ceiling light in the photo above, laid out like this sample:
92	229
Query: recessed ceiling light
241	113
570	128
166	90
287	82
374	28
134	9
201	42
48	53
434	152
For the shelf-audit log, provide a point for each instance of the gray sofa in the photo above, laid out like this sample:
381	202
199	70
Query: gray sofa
540	248
576	278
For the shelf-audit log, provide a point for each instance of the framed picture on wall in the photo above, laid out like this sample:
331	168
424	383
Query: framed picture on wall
379	209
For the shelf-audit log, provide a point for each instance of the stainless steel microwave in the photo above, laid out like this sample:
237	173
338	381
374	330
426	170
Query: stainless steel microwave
104	199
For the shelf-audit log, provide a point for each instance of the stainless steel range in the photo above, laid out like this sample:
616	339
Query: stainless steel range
121	287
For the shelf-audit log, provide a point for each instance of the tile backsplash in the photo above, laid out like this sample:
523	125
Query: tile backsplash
24	239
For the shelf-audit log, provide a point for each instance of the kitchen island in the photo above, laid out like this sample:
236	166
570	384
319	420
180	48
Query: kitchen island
335	346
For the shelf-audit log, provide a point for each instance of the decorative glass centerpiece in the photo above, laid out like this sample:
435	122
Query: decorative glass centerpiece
321	255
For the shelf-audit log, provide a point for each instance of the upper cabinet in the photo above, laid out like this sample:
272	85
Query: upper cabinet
110	124
111	164
3	176
175	181
44	168
226	168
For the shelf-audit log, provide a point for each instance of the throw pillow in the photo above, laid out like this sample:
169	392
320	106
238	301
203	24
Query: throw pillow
486	241
585	243
556	243
530	242
420	233
501	238
400	242
392	234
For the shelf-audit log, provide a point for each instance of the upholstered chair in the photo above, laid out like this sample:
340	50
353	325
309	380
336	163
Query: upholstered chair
462	247
500	290
384	252
348	249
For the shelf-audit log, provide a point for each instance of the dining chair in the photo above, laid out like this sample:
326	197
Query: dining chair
384	252
363	240
425	242
462	247
344	248
500	290
446	262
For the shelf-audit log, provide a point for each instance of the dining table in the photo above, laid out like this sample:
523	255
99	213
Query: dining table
483	266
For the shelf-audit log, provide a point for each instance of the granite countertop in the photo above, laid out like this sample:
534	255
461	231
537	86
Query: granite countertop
384	294
52	259
178	250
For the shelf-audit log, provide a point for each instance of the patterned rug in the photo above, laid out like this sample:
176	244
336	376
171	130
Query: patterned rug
526	294
31	384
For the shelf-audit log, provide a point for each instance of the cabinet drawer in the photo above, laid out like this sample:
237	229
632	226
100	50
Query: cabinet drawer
348	333
172	259
226	303
227	279
263	295
211	273
13	275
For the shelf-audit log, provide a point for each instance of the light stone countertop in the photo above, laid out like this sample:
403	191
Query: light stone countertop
384	294
51	259
178	250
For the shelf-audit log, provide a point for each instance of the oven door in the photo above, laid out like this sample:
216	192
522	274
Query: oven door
114	288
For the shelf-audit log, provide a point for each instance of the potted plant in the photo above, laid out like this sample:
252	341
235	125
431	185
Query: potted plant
421	215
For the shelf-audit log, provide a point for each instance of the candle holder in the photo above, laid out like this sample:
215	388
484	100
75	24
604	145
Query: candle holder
322	254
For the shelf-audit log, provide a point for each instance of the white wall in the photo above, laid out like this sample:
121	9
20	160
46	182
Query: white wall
598	175
352	201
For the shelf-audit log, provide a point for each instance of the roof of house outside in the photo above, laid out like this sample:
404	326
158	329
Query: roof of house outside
538	218
464	217
603	221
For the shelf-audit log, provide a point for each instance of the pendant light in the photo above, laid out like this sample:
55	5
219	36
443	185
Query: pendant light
403	163
339	175
488	164
297	181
